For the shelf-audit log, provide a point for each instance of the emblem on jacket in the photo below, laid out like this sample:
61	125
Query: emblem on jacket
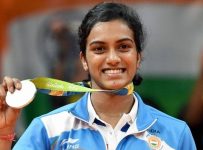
154	142
70	144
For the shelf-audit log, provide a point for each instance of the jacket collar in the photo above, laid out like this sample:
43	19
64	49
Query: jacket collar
144	119
80	108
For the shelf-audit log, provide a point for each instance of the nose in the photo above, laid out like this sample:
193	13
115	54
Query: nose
113	58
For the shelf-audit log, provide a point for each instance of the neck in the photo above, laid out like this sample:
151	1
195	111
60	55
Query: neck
110	104
110	107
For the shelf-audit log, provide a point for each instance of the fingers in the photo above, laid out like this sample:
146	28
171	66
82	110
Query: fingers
10	84
17	83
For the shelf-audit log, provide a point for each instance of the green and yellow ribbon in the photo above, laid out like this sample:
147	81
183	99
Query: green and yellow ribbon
56	87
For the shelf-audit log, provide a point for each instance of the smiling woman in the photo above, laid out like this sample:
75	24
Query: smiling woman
111	41
111	58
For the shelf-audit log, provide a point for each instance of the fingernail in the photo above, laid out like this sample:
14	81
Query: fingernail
18	85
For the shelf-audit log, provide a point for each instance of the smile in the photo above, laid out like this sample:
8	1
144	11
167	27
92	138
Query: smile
113	71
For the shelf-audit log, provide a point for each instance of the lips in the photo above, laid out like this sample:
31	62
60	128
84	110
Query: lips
113	70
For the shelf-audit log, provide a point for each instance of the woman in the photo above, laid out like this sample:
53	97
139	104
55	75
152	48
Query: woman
111	42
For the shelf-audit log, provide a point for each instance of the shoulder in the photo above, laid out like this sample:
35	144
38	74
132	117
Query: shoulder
174	131
58	114
65	108
54	117
168	124
165	119
160	116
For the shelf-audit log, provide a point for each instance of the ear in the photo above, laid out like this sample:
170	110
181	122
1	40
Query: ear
139	59
84	62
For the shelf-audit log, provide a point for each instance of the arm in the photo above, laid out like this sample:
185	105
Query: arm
8	115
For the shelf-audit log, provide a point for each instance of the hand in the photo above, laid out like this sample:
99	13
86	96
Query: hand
8	115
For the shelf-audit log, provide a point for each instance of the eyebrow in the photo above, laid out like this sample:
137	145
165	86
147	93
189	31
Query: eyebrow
97	42
125	39
121	40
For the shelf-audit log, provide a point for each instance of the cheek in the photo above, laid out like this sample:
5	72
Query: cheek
133	69
133	64
94	60
92	64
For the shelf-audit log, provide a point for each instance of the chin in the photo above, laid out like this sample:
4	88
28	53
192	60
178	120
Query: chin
115	85
109	84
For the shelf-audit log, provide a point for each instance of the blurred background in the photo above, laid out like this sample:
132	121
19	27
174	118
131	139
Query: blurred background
39	38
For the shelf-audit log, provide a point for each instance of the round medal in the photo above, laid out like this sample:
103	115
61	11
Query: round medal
21	98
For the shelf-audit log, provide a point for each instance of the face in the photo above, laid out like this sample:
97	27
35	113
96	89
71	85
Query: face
111	57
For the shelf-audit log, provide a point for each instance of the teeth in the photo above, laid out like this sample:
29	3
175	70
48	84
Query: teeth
113	71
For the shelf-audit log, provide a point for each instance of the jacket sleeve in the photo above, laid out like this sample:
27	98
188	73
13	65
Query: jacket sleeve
186	140
35	137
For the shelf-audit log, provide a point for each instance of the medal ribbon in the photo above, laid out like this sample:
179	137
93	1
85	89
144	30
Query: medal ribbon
56	87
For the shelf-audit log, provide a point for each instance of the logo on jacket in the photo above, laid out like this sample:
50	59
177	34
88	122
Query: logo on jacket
70	144
154	142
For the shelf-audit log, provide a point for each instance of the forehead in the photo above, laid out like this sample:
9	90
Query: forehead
110	30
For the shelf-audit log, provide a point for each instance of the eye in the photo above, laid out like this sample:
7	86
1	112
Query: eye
99	50
124	47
